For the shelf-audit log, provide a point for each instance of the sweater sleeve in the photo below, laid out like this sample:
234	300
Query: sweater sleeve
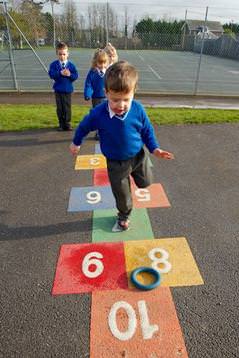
88	124
54	72
147	133
88	90
74	73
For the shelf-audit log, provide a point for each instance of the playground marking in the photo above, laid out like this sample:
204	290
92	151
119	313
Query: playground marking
103	221
87	267
151	197
172	257
101	197
93	161
135	324
91	198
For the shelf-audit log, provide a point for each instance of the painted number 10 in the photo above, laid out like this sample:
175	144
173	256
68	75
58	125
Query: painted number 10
148	329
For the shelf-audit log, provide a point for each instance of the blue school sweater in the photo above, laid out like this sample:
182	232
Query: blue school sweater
119	139
94	85
62	84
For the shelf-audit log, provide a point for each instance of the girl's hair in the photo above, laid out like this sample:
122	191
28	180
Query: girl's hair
111	52
100	56
121	77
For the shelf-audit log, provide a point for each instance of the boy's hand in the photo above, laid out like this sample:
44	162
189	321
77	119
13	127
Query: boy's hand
159	153
66	72
74	149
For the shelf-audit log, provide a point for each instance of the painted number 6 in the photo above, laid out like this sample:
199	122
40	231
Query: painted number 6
163	259
93	197
142	194
92	258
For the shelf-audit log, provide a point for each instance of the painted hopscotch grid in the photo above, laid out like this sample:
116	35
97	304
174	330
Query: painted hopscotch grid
84	268
135	324
93	161
104	220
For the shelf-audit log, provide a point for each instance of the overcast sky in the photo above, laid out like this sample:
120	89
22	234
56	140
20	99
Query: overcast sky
220	10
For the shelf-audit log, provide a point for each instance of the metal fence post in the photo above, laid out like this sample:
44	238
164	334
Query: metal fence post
10	50
201	53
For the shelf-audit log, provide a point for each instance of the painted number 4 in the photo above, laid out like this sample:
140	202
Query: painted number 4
148	329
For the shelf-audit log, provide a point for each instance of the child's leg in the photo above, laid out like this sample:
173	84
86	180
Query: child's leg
141	170
67	110
59	109
118	172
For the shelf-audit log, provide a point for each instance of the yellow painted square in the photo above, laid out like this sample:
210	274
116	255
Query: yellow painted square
178	269
93	161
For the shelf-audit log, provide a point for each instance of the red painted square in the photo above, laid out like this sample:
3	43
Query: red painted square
135	324
100	177
88	267
151	197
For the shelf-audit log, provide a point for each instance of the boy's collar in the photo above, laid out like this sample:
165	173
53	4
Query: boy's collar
113	114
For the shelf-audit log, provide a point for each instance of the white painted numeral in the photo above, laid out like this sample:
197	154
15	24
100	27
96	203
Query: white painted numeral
160	260
142	194
148	330
93	197
95	161
92	258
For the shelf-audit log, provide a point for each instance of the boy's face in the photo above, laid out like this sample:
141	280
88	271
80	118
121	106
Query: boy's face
120	102
63	54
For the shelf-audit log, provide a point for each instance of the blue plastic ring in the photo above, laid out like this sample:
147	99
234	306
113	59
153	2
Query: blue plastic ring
150	270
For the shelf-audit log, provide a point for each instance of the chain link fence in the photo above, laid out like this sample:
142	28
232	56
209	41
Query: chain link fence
177	50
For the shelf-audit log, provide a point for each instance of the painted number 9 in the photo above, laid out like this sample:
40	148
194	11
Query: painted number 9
92	258
163	259
93	197
142	194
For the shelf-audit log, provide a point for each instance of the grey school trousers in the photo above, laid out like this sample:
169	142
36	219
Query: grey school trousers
119	172
63	109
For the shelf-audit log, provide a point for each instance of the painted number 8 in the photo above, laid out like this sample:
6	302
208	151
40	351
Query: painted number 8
92	258
163	259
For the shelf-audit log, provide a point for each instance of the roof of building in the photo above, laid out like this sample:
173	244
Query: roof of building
193	25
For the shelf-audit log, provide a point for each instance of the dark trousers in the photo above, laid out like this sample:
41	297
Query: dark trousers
119	172
63	109
96	101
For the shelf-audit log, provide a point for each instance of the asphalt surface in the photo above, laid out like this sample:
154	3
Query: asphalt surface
151	100
37	173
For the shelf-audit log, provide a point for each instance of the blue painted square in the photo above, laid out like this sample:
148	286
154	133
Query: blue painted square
91	198
97	149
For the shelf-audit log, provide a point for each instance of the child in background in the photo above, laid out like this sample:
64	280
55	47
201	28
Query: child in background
112	53
124	128
94	88
64	73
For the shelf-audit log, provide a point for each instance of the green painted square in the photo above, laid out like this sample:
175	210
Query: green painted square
104	220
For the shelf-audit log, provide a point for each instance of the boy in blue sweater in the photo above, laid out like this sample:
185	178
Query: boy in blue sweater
64	73
124	128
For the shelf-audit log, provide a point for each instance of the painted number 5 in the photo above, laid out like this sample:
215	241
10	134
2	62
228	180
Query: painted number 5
142	194
92	258
163	260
